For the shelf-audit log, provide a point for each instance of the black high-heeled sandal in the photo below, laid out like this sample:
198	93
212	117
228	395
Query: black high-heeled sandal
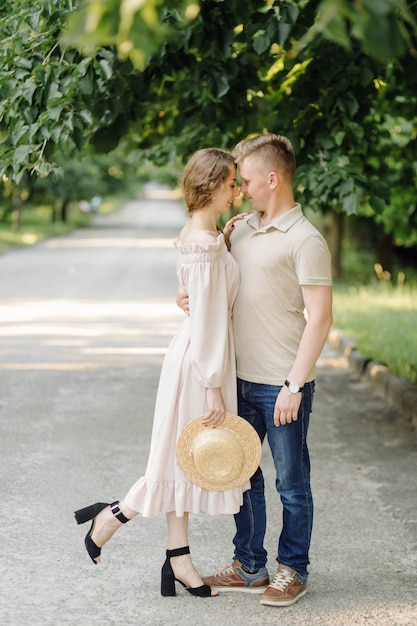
168	577
90	513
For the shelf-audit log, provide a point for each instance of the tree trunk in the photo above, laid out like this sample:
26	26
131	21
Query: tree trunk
17	213
64	210
336	237
384	252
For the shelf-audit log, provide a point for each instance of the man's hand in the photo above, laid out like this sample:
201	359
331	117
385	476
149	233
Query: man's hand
182	300
286	407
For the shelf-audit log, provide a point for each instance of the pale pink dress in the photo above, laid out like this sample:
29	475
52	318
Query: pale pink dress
200	355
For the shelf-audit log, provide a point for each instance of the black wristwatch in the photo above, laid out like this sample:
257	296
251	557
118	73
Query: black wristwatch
293	387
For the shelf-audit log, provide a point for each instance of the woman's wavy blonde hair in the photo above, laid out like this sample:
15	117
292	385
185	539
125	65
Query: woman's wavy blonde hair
205	171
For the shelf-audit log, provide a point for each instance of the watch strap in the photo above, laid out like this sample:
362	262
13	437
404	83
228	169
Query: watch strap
300	389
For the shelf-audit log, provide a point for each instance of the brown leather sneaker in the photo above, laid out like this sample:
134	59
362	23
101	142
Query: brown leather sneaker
234	578
286	588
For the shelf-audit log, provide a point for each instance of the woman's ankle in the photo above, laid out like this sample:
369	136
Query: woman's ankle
127	511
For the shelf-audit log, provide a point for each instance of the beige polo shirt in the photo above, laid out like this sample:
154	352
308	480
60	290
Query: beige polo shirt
268	314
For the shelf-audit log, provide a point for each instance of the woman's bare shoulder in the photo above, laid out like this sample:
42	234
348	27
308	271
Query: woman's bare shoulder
198	236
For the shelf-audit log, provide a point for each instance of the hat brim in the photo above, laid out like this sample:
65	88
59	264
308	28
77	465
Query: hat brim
250	445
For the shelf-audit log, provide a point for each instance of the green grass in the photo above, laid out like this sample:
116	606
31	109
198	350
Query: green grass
36	224
382	320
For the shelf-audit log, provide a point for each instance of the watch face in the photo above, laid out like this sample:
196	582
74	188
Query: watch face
294	387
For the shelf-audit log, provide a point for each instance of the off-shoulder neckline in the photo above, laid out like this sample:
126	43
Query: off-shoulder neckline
215	242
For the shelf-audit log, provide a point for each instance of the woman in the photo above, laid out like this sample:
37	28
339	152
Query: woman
197	378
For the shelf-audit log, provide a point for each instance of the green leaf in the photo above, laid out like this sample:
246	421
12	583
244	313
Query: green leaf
33	129
21	74
21	155
262	42
28	89
78	138
106	68
54	112
293	11
381	189
221	85
339	137
18	174
284	30
42	169
86	116
34	19
85	85
351	202
348	104
83	66
20	133
335	29
24	62
53	91
383	39
355	130
381	7
55	134
366	76
377	204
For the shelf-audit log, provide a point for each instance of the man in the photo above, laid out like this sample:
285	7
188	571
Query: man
285	270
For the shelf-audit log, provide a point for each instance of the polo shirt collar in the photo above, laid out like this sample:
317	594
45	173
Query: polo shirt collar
283	222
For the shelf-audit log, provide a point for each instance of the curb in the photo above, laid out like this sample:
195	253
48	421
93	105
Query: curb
399	391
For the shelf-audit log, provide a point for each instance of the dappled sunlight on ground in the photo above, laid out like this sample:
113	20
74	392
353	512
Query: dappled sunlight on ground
33	309
75	334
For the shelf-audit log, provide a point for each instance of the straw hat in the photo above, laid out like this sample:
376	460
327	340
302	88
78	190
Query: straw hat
219	458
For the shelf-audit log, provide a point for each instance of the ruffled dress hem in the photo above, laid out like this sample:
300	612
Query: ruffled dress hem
164	497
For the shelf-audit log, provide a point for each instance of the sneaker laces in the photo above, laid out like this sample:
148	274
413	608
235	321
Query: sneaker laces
229	569
282	580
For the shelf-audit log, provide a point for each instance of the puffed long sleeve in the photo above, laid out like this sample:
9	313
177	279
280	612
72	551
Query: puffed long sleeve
205	279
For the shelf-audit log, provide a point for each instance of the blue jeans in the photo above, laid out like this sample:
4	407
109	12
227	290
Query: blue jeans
289	449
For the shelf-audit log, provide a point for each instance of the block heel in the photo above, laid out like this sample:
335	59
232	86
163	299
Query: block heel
90	513
168	579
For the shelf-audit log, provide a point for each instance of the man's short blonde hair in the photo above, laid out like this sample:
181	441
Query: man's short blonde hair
270	152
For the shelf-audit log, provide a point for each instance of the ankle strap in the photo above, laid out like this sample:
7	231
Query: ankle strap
117	512
178	551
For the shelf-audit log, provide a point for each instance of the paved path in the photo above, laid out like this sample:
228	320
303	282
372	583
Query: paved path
84	322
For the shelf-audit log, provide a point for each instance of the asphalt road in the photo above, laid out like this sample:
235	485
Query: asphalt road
84	322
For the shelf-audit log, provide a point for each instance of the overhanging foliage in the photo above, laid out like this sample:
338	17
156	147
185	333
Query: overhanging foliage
165	82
